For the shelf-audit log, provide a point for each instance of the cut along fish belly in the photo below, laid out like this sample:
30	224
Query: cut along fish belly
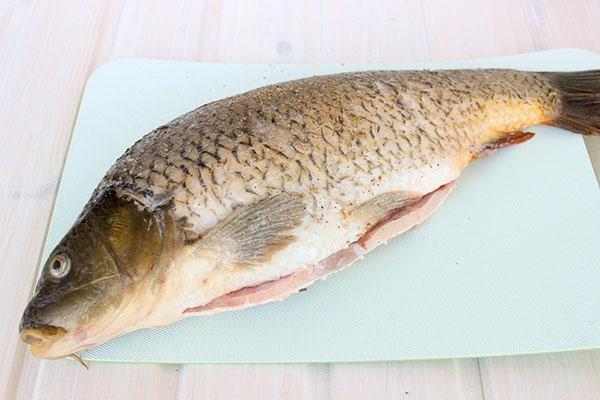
395	223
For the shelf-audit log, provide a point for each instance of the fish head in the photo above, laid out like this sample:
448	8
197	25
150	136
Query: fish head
94	276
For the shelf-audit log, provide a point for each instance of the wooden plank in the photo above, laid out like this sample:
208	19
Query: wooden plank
48	50
443	379
213	31
556	23
550	376
160	30
292	31
474	28
65	379
293	381
373	31
35	105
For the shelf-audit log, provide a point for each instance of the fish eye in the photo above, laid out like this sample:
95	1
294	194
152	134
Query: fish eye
60	266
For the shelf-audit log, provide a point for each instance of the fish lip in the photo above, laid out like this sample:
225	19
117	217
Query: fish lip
41	338
32	323
42	332
53	342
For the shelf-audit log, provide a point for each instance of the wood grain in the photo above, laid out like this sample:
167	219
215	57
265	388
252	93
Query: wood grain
444	379
254	382
42	77
48	49
69	380
548	376
489	28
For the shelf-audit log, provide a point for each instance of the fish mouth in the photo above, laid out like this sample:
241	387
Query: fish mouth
41	338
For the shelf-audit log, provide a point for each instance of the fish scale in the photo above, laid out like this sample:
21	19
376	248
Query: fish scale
368	125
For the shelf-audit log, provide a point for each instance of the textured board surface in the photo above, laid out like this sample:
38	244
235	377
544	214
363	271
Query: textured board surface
508	265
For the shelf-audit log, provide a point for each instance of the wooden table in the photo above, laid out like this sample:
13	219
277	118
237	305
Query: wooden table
49	48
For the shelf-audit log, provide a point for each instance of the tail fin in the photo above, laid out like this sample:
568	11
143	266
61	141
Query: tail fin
579	94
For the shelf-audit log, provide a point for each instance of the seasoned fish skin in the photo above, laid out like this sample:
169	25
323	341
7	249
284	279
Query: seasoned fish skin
339	139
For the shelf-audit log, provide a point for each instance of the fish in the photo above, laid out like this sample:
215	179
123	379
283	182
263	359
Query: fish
252	198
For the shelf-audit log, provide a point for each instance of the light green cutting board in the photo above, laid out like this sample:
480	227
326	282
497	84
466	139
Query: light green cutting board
509	264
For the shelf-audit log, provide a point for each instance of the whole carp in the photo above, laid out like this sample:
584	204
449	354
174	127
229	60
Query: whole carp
254	197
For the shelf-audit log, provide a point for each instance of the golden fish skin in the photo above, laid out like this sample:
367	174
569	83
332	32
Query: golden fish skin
251	198
321	134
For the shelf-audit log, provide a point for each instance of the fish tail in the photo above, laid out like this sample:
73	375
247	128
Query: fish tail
579	101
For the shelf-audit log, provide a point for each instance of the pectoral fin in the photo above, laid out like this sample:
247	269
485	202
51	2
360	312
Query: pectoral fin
252	234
